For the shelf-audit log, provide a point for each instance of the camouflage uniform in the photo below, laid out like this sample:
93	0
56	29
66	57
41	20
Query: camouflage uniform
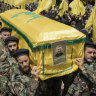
21	84
84	81
93	91
7	65
3	51
3	79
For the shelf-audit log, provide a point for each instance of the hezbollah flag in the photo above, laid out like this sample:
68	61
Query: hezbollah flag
21	2
92	21
45	5
63	7
53	4
77	7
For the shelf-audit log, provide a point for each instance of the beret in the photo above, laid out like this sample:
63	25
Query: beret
20	52
90	44
5	29
11	39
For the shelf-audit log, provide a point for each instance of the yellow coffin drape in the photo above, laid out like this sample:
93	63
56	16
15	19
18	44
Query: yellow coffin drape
40	34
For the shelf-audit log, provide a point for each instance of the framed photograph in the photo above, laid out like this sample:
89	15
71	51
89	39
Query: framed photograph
59	52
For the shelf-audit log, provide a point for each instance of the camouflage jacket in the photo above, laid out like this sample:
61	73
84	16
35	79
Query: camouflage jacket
7	68
94	86
84	80
21	84
4	90
7	65
3	51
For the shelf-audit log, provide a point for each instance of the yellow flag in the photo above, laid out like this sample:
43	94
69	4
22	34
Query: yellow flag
5	1
44	5
21	2
94	31
34	1
11	2
92	21
8	1
53	4
77	7
63	7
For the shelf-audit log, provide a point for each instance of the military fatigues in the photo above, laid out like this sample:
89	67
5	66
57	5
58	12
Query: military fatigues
21	84
93	91
84	81
6	70
7	65
3	51
3	79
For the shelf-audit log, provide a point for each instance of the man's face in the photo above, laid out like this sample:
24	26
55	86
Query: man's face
12	46
23	62
89	54
59	49
5	35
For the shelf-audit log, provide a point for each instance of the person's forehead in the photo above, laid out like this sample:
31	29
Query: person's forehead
5	32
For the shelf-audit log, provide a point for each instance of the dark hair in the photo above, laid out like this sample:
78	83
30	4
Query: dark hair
21	52
5	29
11	39
90	45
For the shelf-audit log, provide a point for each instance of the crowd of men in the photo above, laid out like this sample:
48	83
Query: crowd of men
17	78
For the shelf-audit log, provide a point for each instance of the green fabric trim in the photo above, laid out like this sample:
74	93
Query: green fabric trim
43	59
60	71
71	57
39	47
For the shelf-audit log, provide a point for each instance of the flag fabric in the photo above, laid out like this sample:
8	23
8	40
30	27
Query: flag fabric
63	7
53	4
43	5
77	7
92	21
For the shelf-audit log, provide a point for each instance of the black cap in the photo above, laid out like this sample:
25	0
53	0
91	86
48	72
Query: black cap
11	39
5	29
90	44
21	52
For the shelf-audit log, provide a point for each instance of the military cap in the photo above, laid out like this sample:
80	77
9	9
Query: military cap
5	29
21	52
11	39
90	44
